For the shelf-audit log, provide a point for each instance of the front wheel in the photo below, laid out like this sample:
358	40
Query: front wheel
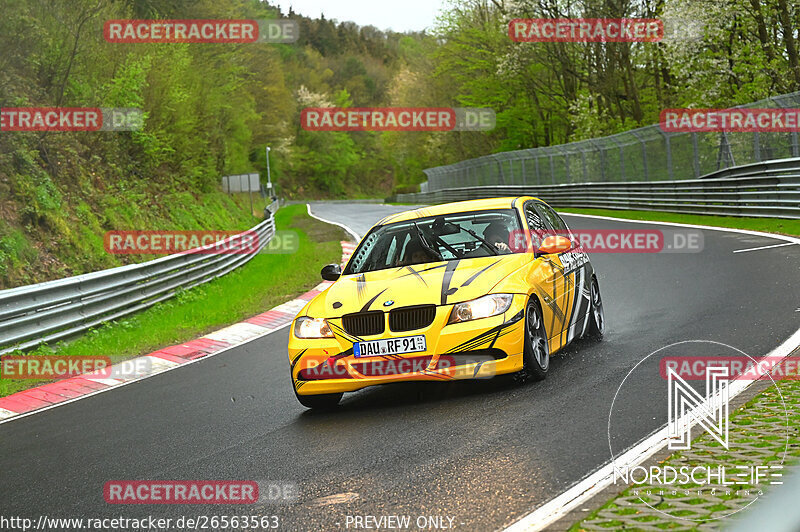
536	354
597	318
324	401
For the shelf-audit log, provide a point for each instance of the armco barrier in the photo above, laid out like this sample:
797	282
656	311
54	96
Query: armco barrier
52	311
766	189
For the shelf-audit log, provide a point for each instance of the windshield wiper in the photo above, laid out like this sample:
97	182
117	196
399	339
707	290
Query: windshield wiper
491	247
424	242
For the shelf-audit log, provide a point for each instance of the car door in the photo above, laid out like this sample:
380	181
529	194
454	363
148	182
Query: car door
547	276
572	266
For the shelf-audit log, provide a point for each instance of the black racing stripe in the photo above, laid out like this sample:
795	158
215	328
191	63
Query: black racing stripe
361	282
476	274
516	317
482	338
344	334
371	301
448	276
416	274
494	340
301	353
433	268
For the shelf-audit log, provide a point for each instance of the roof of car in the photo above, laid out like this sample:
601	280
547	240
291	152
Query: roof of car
460	206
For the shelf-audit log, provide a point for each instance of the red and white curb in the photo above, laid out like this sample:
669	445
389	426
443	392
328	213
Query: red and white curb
64	391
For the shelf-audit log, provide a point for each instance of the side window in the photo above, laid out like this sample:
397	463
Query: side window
536	224
553	219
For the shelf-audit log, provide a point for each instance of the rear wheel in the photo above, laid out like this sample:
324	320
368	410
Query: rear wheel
319	402
597	318
536	354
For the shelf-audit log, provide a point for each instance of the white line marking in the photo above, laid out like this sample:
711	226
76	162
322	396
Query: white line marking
556	508
343	226
693	226
766	247
595	482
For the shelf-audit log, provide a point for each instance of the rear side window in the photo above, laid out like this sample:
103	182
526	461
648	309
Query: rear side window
536	223
553	219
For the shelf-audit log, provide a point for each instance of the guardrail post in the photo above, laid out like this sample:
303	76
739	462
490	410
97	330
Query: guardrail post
756	147
696	153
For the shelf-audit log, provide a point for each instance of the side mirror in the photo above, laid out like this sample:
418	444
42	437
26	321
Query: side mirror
554	244
331	272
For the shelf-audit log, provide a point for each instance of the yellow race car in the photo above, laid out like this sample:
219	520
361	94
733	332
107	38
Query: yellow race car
463	290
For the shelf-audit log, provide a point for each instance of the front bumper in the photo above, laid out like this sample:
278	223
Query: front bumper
471	350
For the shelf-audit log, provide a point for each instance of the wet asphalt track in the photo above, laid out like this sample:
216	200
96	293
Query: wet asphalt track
484	453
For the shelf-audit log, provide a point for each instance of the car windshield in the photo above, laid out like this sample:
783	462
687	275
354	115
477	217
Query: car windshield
461	235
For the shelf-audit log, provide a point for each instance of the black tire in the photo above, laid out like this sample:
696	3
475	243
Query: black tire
324	401
597	317
536	353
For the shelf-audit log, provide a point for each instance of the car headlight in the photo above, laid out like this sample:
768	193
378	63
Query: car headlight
312	328
483	307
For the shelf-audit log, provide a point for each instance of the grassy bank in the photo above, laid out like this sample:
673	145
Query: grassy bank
68	239
266	281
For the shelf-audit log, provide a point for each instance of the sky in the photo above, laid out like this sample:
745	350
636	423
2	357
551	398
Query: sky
398	15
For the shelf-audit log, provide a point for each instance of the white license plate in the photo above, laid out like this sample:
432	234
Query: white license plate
389	346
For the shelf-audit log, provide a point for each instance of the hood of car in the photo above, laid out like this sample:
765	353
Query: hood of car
437	283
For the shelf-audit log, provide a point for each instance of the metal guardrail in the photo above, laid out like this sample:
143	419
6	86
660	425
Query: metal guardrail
55	310
643	154
768	189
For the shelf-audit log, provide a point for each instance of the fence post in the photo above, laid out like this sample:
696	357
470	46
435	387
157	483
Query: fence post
583	162
644	153
668	148
524	175
696	151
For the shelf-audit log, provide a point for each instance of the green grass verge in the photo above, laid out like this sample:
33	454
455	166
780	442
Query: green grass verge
767	225
266	281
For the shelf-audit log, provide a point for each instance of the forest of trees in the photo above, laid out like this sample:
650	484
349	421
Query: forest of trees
212	108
